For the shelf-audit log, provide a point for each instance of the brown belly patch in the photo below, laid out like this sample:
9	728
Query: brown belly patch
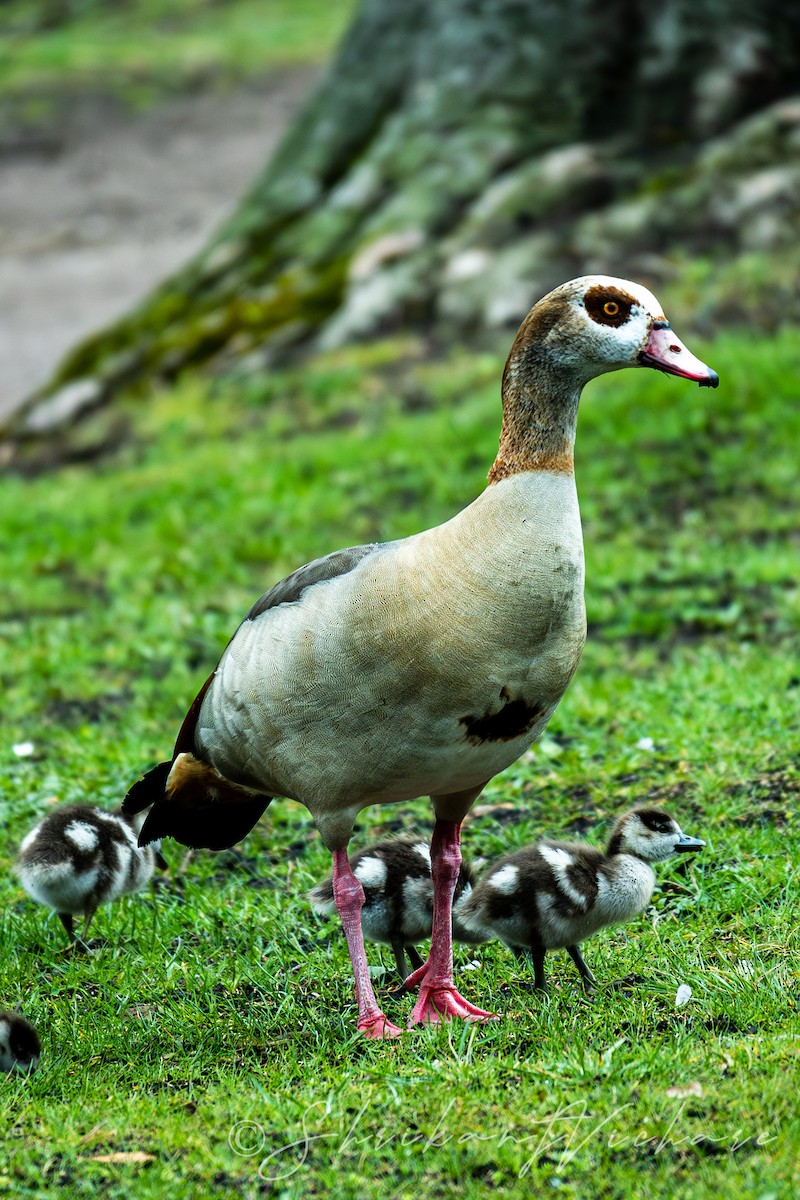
513	720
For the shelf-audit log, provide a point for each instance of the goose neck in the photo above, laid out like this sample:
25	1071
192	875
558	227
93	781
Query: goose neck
540	412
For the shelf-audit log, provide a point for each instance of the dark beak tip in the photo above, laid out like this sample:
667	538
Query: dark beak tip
712	381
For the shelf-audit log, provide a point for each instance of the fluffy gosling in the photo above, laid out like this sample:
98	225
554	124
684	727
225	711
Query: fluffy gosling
79	857
395	874
555	894
19	1043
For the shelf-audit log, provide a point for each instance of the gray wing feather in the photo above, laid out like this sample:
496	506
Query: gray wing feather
320	569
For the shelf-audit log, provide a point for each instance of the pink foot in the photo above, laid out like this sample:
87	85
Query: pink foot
416	977
378	1027
441	1002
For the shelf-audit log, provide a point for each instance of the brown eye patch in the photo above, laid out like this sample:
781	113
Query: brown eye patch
608	306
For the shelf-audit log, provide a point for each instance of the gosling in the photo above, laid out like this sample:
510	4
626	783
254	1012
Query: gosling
555	894
79	857
395	874
19	1043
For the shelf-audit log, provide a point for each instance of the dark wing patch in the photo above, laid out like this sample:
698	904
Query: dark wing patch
184	743
204	826
147	790
608	305
292	587
52	846
582	875
537	878
201	809
402	862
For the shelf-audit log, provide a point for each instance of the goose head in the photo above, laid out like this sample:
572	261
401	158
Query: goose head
650	834
596	324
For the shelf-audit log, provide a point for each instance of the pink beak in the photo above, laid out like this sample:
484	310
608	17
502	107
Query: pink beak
666	352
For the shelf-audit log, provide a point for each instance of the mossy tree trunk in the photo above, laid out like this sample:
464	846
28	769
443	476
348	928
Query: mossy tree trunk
429	144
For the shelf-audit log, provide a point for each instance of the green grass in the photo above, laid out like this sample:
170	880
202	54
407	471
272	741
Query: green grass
214	1030
140	50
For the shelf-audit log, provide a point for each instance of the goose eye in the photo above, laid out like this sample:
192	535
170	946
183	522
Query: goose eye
608	306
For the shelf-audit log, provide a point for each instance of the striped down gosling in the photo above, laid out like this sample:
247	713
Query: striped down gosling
395	874
556	894
19	1043
79	857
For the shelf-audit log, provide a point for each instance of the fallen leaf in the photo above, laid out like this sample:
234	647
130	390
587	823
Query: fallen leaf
486	810
124	1156
97	1131
689	1089
142	1011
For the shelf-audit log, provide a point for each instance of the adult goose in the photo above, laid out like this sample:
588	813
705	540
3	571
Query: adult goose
421	666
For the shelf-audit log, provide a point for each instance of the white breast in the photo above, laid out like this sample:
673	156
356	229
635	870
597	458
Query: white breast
628	892
59	886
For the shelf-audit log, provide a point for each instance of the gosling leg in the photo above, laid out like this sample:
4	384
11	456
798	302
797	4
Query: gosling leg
587	978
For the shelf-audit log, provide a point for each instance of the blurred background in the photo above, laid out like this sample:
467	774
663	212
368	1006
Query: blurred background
441	165
127	131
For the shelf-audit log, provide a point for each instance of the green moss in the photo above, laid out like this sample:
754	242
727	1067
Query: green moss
171	332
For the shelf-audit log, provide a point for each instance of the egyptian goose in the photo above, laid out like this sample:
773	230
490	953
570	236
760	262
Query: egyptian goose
19	1043
79	857
425	665
554	895
395	874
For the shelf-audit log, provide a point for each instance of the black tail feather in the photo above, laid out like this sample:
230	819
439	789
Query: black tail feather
203	826
201	809
147	790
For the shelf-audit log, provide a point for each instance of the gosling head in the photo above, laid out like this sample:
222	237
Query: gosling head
650	834
595	324
19	1043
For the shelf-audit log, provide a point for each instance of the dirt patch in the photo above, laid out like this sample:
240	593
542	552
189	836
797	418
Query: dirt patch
93	217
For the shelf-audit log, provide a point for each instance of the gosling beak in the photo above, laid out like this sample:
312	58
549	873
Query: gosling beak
666	352
688	843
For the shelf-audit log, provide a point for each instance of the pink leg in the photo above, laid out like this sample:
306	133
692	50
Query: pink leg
438	999
348	896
